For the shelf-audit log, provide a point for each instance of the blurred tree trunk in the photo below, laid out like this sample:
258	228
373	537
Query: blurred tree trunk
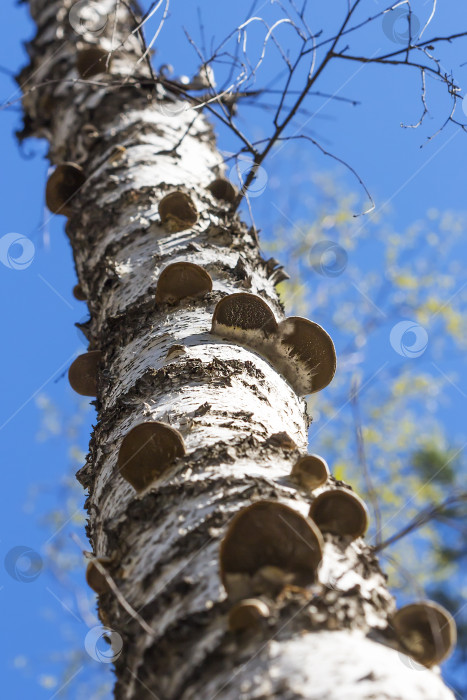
136	142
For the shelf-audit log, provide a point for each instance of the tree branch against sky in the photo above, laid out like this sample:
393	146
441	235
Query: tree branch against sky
198	373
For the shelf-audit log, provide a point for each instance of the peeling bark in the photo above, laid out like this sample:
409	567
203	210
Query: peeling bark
232	407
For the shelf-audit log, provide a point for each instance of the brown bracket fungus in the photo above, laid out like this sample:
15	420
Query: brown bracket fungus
91	61
427	631
82	374
247	614
94	578
340	512
282	440
311	471
244	317
301	350
182	280
78	293
177	211
64	183
310	352
268	537
221	188
147	450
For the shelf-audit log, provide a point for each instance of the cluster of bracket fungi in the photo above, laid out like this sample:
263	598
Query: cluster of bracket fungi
268	545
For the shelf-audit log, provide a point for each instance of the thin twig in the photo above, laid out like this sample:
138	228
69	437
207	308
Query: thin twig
372	494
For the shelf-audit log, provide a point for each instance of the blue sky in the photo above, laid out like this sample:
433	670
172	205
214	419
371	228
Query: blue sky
38	310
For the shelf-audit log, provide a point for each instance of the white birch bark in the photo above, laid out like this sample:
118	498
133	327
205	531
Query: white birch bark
225	399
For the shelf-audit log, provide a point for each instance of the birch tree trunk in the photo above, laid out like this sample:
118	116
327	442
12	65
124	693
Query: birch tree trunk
161	362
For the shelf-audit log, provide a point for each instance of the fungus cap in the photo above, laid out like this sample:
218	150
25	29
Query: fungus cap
82	374
78	293
177	211
311	471
91	61
181	280
340	512
310	352
221	188
243	317
94	578
62	185
147	450
268	533
247	614
427	631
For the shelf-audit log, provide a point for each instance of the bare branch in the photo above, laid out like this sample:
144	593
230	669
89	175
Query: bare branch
431	512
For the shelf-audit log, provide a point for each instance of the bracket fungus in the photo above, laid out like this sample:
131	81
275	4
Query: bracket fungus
177	211
94	578
427	631
311	471
62	185
264	538
147	450
301	350
243	317
78	293
82	374
247	614
311	357
340	512
91	61
182	280
221	188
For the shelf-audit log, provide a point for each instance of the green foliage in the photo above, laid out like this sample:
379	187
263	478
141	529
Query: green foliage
382	422
73	672
434	464
389	276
